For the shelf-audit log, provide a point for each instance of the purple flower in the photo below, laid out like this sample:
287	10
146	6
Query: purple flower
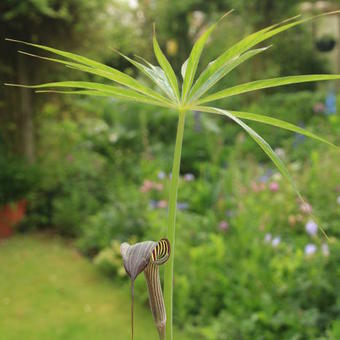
153	204
325	249
223	225
311	228
182	206
161	175
310	249
274	186
189	177
268	238
276	241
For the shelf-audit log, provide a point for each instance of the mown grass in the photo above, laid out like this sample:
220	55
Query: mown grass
49	291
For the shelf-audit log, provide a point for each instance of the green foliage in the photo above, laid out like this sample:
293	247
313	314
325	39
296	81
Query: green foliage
17	178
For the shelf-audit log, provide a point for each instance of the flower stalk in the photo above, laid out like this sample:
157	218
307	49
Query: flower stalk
169	268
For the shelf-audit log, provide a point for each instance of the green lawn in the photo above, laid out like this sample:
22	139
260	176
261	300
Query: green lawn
48	291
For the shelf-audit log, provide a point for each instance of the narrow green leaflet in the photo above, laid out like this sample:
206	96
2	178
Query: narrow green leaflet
231	53
267	83
258	139
223	71
79	92
278	123
118	92
265	147
156	74
192	63
90	66
68	55
165	65
184	68
247	43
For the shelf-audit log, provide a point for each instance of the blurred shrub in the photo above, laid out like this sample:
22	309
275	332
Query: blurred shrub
119	219
17	178
250	261
109	260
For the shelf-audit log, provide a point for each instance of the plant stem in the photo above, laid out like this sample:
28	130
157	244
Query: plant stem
169	268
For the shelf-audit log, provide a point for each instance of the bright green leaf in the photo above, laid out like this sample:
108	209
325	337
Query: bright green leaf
247	43
93	67
114	91
267	83
279	123
165	65
223	71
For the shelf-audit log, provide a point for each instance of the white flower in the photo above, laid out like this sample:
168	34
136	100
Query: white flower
277	177
280	152
113	137
325	249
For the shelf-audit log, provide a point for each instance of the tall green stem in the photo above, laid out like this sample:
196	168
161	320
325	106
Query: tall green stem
169	269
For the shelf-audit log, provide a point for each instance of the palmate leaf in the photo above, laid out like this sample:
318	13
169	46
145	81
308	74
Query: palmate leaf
267	83
245	44
96	68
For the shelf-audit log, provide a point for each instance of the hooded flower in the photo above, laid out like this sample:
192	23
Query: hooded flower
146	257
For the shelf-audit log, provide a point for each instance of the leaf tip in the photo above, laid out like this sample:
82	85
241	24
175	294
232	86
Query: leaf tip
154	29
226	14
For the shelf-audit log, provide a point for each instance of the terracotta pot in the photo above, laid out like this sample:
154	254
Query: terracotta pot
10	215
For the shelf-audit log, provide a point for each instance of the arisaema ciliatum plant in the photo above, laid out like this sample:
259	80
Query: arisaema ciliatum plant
195	94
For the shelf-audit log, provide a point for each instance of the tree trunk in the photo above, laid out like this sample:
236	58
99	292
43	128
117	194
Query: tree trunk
26	124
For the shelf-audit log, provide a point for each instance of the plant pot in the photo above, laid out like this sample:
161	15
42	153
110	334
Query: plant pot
10	215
